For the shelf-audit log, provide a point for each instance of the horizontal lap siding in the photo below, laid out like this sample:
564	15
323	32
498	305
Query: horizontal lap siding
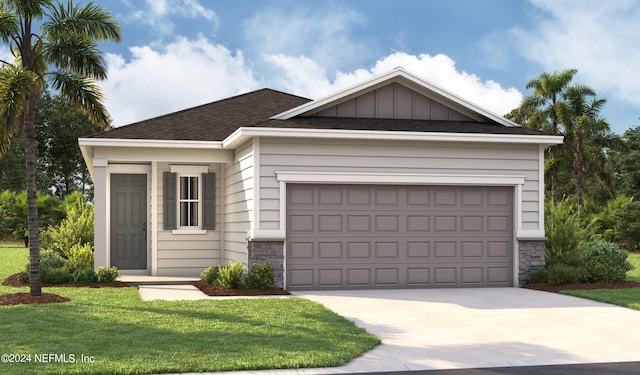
238	209
396	157
187	254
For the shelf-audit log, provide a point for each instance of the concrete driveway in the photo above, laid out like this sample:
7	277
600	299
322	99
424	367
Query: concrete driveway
476	328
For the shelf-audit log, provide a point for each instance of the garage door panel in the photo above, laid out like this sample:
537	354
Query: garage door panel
387	250
330	250
355	236
359	277
330	223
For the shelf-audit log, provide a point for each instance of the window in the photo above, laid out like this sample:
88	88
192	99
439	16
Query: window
189	199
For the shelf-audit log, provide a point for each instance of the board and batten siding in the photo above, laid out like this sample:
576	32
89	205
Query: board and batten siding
397	157
187	254
238	210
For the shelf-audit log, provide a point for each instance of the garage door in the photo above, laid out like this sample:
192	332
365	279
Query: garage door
370	236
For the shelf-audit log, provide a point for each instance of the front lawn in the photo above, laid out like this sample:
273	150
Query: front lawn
629	297
110	331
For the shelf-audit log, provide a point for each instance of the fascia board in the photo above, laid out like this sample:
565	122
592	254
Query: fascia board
149	143
242	134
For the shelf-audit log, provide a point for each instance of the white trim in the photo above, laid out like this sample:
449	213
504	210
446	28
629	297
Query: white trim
148	143
189	169
187	230
531	235
127	169
222	213
154	218
100	162
399	75
282	205
399	178
243	134
266	235
541	190
256	184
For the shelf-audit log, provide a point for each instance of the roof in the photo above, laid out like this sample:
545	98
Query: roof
268	108
209	122
412	81
396	125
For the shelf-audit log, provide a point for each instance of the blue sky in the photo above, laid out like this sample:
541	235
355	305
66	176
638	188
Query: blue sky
176	54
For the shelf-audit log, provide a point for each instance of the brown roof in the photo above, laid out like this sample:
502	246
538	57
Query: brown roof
209	122
376	124
216	121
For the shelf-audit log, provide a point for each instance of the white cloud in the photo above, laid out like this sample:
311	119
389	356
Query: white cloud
303	76
158	14
322	34
182	74
599	38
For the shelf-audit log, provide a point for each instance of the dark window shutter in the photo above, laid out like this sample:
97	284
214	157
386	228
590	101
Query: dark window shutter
170	201
209	201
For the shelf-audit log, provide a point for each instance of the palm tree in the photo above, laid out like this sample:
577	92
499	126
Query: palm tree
542	107
588	137
65	55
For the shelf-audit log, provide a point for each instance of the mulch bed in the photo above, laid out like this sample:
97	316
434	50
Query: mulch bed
557	288
214	290
13	281
26	299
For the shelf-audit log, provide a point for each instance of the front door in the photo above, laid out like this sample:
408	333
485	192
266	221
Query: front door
129	221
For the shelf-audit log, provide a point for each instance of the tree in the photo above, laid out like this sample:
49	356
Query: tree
627	164
540	111
63	54
58	127
588	137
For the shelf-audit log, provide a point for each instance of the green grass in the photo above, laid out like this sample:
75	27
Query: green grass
127	336
629	297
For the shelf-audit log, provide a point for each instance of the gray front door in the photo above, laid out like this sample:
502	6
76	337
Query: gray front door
129	221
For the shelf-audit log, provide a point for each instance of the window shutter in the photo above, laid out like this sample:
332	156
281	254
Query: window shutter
170	201
209	201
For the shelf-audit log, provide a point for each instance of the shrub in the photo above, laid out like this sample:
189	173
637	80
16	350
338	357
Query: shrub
76	228
210	275
604	262
84	276
58	275
627	227
231	275
80	256
24	276
538	277
562	274
106	275
260	276
564	238
50	260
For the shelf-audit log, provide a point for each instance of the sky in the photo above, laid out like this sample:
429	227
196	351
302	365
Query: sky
177	54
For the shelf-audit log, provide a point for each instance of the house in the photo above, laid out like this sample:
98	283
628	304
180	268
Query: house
391	183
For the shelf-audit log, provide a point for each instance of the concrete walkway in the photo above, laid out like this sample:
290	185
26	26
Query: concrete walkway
434	329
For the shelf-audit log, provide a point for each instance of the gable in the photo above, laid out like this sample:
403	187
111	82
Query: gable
396	95
394	101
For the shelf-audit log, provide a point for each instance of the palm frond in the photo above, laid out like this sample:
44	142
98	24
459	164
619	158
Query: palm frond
84	93
8	24
16	84
90	20
29	9
77	53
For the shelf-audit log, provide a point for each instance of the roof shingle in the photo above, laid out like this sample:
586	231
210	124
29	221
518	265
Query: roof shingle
216	121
